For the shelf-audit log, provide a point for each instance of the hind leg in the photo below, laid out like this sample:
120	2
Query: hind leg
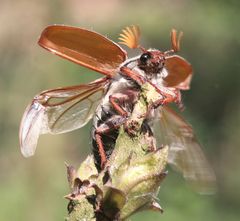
113	123
122	104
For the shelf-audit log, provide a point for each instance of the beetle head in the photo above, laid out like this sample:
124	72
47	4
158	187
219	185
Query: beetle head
151	61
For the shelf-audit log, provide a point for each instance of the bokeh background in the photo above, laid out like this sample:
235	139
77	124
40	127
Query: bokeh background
33	189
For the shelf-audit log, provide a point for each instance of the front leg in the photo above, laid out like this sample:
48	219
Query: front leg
168	94
140	80
160	96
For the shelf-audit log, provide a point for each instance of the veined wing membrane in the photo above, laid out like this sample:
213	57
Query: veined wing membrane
83	47
59	111
185	154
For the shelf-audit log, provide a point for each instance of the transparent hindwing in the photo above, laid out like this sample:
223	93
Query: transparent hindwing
185	153
58	111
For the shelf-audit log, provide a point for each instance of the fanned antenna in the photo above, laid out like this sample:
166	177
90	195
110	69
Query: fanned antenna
175	39
130	37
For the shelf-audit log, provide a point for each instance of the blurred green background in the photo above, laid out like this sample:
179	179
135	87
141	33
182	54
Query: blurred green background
33	189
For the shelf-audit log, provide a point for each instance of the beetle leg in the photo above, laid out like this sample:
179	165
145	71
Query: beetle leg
113	123
101	149
118	100
168	96
179	102
140	80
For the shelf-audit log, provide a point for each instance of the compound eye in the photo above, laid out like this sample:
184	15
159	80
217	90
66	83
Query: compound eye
145	57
